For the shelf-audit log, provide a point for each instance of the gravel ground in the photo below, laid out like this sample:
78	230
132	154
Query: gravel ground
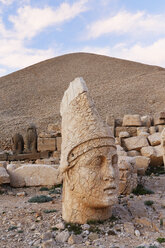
134	224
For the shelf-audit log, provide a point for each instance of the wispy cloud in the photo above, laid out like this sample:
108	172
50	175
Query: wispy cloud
6	2
30	21
27	23
149	54
125	22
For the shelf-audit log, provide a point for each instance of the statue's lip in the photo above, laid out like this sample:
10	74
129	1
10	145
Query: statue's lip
110	187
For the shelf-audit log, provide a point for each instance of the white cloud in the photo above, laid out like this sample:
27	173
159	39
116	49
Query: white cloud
128	23
7	2
30	21
152	54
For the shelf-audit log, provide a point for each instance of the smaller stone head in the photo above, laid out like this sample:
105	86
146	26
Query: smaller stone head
31	139
17	144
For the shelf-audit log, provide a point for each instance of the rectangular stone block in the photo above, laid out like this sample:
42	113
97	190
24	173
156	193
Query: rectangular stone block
19	157
58	142
158	120
132	121
46	144
135	143
142	164
131	130
155	153
154	139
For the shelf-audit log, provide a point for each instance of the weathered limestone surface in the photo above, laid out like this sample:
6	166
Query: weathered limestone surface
142	164
88	158
127	174
155	154
33	175
155	139
46	144
132	121
4	176
135	143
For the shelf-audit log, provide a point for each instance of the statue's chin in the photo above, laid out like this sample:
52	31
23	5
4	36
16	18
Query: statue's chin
103	203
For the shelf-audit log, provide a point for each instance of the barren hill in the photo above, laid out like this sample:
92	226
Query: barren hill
117	86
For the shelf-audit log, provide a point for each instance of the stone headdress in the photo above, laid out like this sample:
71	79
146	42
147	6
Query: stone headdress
82	127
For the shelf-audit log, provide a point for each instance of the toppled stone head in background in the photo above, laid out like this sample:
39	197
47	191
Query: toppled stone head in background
31	139
17	144
88	158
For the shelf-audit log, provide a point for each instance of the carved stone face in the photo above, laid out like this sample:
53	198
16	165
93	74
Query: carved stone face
93	177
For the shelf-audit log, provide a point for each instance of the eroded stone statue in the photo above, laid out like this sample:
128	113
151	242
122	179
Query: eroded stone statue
17	144
31	139
88	158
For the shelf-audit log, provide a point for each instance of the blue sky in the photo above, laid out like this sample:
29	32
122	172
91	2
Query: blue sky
35	30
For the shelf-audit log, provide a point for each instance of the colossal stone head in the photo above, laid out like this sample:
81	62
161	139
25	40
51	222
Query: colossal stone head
88	158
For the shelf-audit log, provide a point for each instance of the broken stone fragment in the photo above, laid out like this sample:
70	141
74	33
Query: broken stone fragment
4	176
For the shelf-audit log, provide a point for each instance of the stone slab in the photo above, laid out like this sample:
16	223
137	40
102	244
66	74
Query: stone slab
33	175
4	176
135	143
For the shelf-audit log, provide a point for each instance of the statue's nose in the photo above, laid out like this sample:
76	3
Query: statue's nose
109	172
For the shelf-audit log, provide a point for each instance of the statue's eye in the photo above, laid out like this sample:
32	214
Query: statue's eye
114	159
97	161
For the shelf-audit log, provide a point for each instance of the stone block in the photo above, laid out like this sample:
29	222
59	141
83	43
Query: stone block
135	143
46	144
120	151
153	129
124	135
142	130
146	120
160	128
33	175
133	153
132	121
127	174
158	120
154	139
155	154
58	143
131	130
142	164
4	176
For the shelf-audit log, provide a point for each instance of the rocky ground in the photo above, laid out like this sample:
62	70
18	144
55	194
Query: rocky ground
137	221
